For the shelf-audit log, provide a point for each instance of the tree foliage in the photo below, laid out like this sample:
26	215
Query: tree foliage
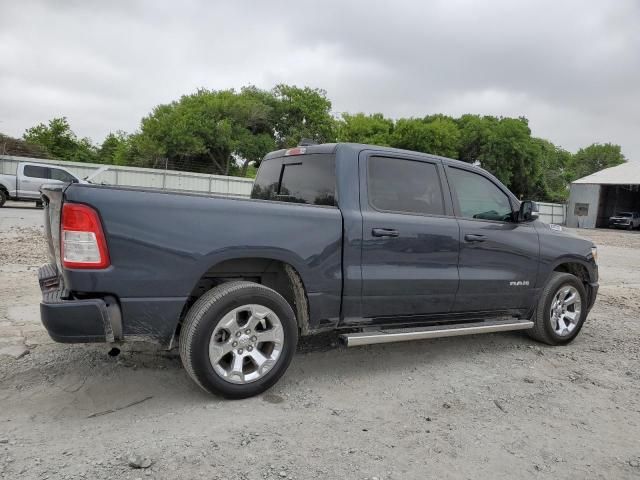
224	131
59	141
595	157
438	136
302	113
229	132
360	128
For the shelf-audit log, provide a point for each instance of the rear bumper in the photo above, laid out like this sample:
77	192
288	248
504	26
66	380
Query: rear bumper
69	319
76	321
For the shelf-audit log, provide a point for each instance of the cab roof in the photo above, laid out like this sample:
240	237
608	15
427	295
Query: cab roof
327	148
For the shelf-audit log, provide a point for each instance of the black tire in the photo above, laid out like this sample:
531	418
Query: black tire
543	330
200	323
39	204
3	197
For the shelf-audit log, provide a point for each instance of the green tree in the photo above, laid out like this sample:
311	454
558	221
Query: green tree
510	155
595	157
60	141
475	132
208	131
193	133
112	147
302	113
553	184
254	134
437	135
230	131
360	128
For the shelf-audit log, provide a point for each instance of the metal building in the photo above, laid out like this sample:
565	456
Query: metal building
596	197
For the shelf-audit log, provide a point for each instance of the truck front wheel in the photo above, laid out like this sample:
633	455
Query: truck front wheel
561	311
238	339
3	197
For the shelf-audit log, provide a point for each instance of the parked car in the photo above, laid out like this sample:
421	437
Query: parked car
376	243
25	184
628	220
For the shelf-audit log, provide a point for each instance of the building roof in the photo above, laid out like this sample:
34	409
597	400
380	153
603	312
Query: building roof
626	174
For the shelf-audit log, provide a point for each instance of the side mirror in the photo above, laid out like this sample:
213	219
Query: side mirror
528	211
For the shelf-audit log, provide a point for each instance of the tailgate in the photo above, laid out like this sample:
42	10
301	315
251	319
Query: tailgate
52	199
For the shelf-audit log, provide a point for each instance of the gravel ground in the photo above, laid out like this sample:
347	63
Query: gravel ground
490	406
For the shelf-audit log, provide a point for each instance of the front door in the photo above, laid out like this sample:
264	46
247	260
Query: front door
410	238
498	257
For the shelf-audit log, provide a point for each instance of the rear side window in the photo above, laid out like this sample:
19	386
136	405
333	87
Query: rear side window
400	185
478	197
35	171
309	179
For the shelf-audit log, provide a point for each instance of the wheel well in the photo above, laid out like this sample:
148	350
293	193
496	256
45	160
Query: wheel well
4	189
576	269
277	275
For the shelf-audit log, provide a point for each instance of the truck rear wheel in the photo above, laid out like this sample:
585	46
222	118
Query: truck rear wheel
561	310
238	339
3	197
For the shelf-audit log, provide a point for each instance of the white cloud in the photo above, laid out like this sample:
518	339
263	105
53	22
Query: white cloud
572	68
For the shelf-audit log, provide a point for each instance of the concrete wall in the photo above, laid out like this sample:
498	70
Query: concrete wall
144	177
585	194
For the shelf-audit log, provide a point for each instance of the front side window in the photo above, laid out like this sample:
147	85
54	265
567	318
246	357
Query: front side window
407	186
478	197
35	171
57	174
309	179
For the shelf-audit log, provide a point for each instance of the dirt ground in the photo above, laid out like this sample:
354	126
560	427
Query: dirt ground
489	406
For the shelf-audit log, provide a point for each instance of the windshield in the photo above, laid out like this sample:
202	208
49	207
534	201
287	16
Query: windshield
625	214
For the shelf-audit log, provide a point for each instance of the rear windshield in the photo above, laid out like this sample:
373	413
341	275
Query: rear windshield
309	179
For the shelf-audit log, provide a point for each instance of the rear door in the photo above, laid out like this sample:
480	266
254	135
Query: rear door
409	239
30	179
34	176
498	257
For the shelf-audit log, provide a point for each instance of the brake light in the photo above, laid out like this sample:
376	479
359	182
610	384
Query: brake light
295	151
82	240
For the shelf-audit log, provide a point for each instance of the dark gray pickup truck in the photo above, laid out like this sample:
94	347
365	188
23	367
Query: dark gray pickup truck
380	244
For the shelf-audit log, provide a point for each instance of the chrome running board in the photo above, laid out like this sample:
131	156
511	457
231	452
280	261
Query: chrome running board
406	334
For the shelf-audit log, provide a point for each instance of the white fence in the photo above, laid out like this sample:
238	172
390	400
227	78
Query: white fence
144	177
553	213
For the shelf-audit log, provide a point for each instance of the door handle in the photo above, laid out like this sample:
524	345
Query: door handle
471	237
384	232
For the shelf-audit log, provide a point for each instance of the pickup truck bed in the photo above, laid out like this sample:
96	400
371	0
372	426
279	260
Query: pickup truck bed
163	244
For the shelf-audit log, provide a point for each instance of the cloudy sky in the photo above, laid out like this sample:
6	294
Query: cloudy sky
571	67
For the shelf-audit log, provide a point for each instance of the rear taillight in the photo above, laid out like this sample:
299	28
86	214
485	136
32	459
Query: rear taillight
82	240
